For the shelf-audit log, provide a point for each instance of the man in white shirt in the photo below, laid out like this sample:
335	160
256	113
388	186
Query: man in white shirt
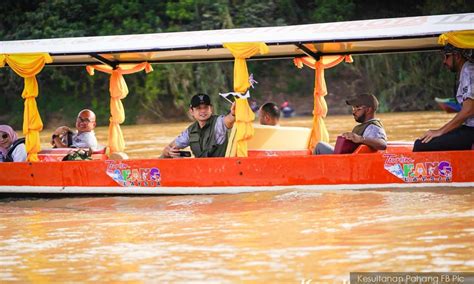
84	137
458	133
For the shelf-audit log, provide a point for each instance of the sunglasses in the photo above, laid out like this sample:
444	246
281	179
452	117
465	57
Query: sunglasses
86	120
4	136
357	108
446	55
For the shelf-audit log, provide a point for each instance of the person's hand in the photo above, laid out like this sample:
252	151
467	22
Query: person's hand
429	135
60	131
58	135
171	152
232	109
353	137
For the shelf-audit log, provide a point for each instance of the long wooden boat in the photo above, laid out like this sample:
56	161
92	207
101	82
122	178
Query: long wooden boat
268	166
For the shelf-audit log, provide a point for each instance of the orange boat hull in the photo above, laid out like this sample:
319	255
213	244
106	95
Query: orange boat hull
370	168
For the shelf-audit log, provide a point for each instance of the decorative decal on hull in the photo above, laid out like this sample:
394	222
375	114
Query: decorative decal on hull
126	175
409	170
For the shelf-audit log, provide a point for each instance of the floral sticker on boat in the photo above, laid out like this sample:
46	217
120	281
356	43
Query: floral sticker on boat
125	175
409	170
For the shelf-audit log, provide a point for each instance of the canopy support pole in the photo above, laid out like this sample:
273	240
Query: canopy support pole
309	52
104	61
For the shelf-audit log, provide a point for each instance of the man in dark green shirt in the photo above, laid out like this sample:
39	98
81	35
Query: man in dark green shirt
207	136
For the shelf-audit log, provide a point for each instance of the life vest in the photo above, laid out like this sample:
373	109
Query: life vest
359	129
203	142
9	157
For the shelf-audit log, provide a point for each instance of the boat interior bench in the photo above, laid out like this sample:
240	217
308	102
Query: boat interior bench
291	141
275	141
57	154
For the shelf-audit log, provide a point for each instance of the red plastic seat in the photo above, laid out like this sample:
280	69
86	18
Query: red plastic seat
344	146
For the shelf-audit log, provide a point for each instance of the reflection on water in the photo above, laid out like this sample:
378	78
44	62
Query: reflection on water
282	236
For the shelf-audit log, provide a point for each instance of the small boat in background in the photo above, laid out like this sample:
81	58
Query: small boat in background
449	105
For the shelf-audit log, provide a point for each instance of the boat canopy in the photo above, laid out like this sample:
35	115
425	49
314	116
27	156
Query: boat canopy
341	38
318	46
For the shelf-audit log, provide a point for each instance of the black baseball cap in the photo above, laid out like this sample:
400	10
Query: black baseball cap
200	99
363	100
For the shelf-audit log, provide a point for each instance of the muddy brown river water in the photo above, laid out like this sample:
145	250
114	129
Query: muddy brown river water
286	236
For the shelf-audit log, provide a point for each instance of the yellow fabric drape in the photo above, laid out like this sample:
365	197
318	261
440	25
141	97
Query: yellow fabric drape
28	66
118	91
460	39
244	115
319	131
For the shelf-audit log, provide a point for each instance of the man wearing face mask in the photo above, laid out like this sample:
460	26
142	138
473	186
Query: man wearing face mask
207	136
83	138
458	133
369	131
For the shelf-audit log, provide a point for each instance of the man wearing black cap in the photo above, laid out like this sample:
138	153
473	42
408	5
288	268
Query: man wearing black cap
207	136
370	130
458	133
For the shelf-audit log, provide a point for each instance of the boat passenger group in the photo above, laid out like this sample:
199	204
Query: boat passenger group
208	135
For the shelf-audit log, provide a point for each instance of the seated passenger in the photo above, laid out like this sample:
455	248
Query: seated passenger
458	133
84	137
369	131
12	149
208	135
269	114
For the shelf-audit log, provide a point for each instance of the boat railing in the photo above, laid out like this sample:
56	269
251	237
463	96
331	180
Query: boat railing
57	154
393	147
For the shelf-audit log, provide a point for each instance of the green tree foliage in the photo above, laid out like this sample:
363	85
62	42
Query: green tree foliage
407	81
402	82
333	11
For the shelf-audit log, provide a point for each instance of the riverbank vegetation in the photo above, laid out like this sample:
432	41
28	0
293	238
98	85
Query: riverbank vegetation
402	82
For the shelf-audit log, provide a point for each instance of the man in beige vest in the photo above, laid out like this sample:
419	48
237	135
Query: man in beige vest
369	131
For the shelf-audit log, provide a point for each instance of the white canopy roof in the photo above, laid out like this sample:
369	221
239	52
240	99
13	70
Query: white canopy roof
354	37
